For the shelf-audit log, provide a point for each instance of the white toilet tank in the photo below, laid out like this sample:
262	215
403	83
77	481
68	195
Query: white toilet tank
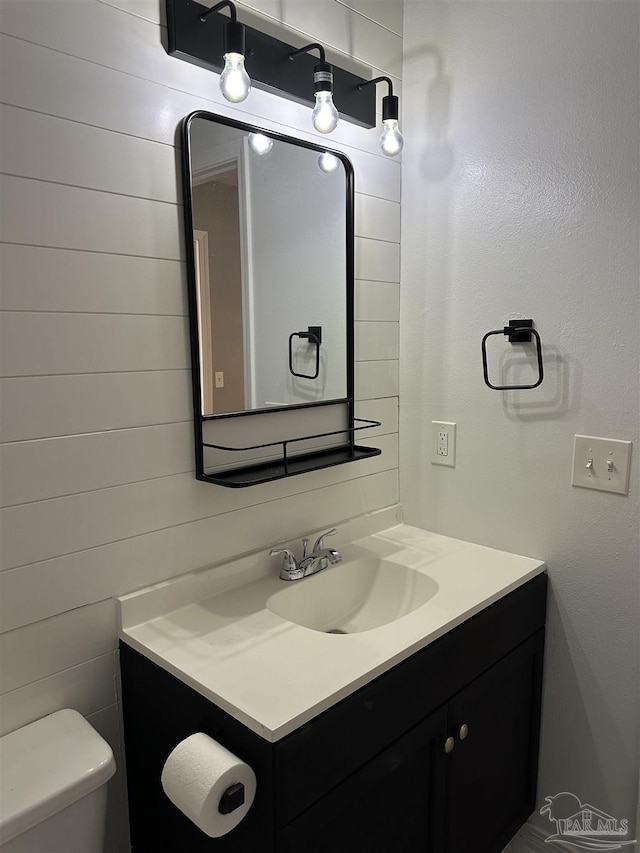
53	793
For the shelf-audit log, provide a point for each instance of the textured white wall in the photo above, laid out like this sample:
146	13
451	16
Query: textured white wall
521	199
98	492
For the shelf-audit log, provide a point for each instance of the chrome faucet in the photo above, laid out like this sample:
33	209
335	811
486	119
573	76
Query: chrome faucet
309	564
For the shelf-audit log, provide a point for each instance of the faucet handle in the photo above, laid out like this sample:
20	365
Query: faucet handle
289	563
319	541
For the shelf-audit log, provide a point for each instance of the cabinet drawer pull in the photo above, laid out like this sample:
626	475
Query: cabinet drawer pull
464	731
449	744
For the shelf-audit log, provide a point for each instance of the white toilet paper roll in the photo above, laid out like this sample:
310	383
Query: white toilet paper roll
196	775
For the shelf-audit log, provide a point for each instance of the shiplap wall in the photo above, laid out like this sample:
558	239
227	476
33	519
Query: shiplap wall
98	493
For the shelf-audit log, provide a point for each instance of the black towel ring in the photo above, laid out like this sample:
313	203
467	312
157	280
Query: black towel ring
518	332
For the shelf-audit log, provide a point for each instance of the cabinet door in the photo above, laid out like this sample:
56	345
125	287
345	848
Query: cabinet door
388	806
491	771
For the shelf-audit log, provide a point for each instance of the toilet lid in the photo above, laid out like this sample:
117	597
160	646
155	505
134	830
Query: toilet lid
47	766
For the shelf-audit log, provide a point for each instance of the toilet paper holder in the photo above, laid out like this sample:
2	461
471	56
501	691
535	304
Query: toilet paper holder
231	799
210	785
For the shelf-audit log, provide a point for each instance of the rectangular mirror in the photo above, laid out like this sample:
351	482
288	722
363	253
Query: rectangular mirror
270	262
270	237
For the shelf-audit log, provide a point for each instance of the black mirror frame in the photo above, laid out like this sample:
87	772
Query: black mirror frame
348	401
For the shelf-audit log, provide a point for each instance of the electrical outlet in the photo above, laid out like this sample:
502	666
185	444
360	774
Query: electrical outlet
443	443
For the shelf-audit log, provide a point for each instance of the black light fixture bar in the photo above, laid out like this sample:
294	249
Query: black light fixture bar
268	64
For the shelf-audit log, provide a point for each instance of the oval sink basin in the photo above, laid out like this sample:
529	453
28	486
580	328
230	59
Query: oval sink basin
355	596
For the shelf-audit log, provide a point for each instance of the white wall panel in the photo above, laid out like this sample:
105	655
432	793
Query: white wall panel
376	300
33	344
41	279
41	407
56	84
87	688
377	260
344	29
66	152
150	10
376	176
38	470
375	341
387	13
376	379
101	35
377	218
43	648
44	214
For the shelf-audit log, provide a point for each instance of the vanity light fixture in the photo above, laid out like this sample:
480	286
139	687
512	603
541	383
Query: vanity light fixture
260	144
325	115
391	141
235	83
204	44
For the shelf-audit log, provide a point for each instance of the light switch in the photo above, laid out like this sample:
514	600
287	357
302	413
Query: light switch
219	379
601	463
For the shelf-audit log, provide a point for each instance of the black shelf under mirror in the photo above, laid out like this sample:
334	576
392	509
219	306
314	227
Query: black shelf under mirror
253	475
289	463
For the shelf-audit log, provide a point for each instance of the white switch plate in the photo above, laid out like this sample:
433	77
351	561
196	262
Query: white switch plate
601	463
219	379
443	443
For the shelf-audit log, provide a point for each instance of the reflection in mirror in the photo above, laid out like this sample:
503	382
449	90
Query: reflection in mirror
270	255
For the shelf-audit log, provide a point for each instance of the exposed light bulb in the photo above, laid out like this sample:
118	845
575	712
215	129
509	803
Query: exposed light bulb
391	141
328	162
325	115
235	83
260	144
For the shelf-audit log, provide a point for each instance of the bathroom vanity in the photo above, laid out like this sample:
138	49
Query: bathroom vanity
420	734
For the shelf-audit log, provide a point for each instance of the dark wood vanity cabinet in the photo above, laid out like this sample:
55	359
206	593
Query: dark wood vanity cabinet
391	804
463	779
438	755
490	778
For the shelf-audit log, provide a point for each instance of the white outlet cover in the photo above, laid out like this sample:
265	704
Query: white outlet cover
450	428
603	452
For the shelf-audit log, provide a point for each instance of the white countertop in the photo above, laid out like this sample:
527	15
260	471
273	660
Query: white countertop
273	675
